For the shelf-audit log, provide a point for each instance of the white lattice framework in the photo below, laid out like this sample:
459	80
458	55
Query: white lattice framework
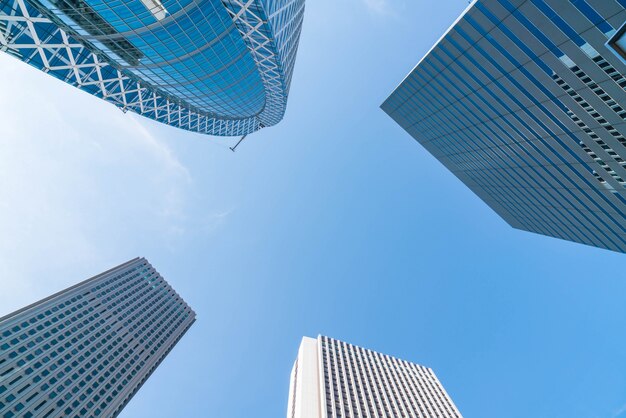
34	38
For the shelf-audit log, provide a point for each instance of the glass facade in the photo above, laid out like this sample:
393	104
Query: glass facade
523	101
211	66
87	350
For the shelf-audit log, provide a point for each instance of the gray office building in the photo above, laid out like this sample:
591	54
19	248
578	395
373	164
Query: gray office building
525	102
85	351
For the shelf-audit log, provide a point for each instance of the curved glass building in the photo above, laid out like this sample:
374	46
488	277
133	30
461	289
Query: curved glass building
220	67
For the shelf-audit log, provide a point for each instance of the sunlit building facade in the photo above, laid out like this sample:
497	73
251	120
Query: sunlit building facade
219	67
86	351
525	102
333	379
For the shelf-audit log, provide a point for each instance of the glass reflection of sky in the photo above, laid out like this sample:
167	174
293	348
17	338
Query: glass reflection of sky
195	53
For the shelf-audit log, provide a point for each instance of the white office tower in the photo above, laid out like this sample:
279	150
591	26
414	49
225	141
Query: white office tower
333	379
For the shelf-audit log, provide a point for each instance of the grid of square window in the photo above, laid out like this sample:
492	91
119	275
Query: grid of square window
87	350
363	383
523	101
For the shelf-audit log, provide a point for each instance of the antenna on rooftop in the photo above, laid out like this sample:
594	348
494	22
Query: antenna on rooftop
237	144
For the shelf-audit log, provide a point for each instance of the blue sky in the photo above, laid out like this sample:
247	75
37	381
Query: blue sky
333	222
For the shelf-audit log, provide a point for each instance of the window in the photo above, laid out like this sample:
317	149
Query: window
617	43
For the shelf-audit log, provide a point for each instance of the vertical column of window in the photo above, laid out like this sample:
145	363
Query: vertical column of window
109	391
86	351
609	70
112	409
488	182
398	379
145	304
350	377
507	132
440	393
462	153
142	309
607	99
415	385
589	51
528	52
125	352
391	405
61	390
26	335
44	332
587	107
598	91
170	315
105	377
426	389
99	374
479	109
77	355
425	393
86	365
584	46
407	384
335	404
160	311
421	388
352	390
366	397
558	123
322	346
337	383
443	397
379	394
119	302
134	388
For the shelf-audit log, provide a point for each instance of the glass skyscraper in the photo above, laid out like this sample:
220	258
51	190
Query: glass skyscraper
220	67
525	102
333	379
85	351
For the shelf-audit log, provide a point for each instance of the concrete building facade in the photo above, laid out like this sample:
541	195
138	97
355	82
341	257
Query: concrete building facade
333	379
86	351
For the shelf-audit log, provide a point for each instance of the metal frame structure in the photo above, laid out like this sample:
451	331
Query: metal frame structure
47	44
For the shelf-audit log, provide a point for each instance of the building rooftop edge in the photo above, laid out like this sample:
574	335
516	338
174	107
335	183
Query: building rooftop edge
82	283
457	20
375	351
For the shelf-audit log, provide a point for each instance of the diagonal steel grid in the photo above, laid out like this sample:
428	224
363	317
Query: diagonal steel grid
35	39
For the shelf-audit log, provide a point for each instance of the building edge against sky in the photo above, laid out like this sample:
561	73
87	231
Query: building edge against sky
87	350
218	67
333	379
524	101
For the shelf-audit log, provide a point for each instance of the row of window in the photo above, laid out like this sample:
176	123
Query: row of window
84	363
359	380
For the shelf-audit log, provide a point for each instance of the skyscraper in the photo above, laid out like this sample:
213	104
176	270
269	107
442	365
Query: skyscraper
333	379
85	351
525	102
219	67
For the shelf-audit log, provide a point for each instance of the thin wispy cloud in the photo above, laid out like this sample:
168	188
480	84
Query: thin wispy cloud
380	7
621	412
75	173
377	6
